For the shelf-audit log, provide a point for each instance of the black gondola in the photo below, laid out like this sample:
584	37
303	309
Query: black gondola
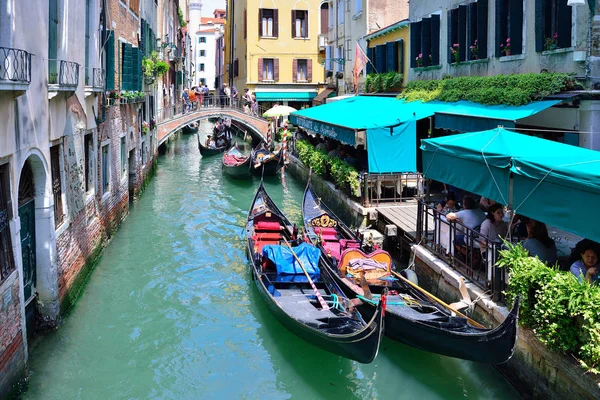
411	317
236	164
191	128
292	298
211	150
262	157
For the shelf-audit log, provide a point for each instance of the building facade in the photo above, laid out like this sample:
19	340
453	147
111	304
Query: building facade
349	21
484	38
272	48
207	32
387	50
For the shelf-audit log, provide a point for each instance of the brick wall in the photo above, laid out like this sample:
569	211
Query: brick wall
126	25
12	352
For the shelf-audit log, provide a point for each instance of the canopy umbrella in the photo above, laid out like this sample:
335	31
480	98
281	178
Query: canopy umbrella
279	111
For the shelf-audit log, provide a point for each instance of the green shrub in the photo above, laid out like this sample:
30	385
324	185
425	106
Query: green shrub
562	312
515	89
384	82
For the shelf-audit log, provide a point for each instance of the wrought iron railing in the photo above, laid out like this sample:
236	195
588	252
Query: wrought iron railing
63	73
462	248
210	101
15	65
94	77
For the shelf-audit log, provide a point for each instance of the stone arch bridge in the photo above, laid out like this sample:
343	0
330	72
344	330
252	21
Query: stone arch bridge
256	126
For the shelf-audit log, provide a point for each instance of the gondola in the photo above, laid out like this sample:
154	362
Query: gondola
290	295
263	158
236	164
411	317
211	151
190	128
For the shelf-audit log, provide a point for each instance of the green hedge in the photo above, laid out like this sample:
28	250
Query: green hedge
376	83
562	312
516	89
343	174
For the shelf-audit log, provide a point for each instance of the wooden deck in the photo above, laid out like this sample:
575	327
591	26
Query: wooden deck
404	216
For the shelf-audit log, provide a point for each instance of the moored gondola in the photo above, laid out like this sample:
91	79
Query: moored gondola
236	164
190	128
211	149
303	298
412	317
266	162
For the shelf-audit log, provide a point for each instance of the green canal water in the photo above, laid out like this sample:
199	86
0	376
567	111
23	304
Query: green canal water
171	312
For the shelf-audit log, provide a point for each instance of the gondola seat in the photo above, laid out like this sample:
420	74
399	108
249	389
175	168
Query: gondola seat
268	226
349	244
325	231
333	248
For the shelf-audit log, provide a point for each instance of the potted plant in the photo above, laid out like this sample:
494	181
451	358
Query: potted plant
145	127
153	68
550	43
455	51
505	47
153	123
474	50
113	97
419	60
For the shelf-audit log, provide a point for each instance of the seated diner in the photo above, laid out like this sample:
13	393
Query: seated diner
494	227
539	243
587	267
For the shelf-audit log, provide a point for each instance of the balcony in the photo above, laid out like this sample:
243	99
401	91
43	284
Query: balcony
323	42
94	80
63	76
15	69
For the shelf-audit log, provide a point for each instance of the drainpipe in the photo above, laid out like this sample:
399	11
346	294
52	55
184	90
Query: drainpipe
231	58
591	4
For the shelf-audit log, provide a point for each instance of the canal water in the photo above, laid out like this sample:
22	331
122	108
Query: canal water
171	312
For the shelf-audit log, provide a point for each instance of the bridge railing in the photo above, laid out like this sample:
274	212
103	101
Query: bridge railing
210	102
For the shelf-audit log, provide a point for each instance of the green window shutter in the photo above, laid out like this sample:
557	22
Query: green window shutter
179	78
392	56
137	68
435	39
482	28
426	40
370	56
110	61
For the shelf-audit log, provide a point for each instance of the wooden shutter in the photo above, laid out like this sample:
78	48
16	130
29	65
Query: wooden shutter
110	60
324	20
53	31
295	70
276	69
462	32
294	33
260	17
275	23
426	40
371	57
435	40
452	32
309	70
415	43
261	66
482	28
516	27
143	35
471	29
501	25
564	25
400	51
540	25
245	23
137	68
306	22
391	56
381	59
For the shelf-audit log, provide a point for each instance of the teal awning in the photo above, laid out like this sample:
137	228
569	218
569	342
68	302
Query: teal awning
393	150
553	182
283	96
467	116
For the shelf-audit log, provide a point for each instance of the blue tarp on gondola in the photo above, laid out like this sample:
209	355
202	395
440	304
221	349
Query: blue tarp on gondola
285	262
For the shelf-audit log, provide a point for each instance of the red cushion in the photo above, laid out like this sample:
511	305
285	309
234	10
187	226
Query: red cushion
268	226
325	231
349	243
329	237
264	243
267	236
333	249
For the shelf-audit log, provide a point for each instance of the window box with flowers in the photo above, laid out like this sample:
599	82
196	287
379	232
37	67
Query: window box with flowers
455	51
474	50
505	47
419	60
145	127
551	43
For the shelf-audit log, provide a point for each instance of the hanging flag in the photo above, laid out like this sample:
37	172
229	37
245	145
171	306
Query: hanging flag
360	60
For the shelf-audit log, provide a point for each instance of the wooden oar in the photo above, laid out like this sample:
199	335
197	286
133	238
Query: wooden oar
324	305
426	293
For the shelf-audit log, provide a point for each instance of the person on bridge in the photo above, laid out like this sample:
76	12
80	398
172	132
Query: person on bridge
185	98
193	98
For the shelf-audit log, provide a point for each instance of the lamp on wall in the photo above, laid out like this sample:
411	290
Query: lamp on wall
573	3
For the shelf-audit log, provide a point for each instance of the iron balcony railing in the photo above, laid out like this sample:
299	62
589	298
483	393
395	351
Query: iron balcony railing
63	73
15	65
94	77
462	248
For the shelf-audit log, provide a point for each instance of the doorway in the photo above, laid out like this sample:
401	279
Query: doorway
132	175
28	248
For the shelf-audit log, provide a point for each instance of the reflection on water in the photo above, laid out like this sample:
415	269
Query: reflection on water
171	312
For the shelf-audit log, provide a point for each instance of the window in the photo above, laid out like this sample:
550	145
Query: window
202	39
330	18
134	5
358	6
340	11
325	18
348	50
88	160
300	24
267	23
56	184
123	157
201	67
300	70
424	44
268	69
328	57
467	32
236	68
509	27
105	169
202	81
202	53
339	54
7	261
553	24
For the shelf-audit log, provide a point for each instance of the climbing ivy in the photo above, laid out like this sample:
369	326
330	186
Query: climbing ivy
515	89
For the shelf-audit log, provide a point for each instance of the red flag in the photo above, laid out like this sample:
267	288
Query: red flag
360	60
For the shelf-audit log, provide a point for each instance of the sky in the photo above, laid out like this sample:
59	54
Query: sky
208	6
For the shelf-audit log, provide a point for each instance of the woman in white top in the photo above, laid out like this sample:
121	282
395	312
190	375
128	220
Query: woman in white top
494	227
